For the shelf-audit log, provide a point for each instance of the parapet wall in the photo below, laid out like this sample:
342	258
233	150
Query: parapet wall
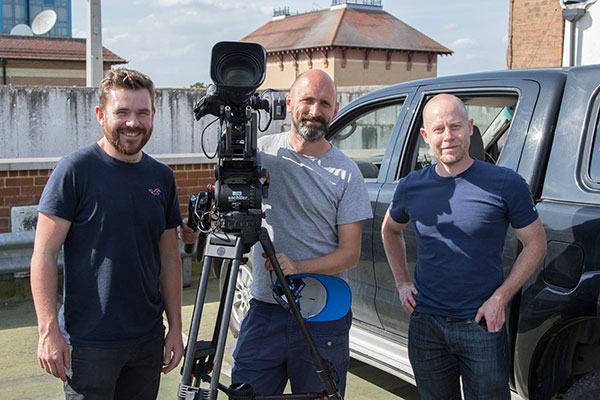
39	125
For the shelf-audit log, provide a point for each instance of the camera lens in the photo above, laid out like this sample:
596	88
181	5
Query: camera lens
237	71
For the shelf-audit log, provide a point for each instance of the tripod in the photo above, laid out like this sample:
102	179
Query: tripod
203	359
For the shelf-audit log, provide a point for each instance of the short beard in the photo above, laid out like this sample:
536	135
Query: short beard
310	133
113	138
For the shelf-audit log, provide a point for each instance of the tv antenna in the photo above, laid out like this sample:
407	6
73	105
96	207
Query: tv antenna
43	22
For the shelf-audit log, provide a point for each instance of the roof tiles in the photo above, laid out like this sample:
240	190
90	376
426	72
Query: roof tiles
344	27
49	49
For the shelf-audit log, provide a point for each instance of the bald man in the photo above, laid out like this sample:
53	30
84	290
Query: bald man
461	209
317	202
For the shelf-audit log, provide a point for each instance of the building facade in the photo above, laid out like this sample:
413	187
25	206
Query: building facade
15	12
535	34
355	41
46	61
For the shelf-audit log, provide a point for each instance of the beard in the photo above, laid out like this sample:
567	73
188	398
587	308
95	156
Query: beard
113	137
310	132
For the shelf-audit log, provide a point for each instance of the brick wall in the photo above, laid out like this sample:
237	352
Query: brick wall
191	179
536	32
24	187
19	188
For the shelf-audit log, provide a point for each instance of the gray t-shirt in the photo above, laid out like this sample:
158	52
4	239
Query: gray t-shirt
308	198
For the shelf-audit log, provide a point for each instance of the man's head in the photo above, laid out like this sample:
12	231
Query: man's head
312	102
447	129
126	110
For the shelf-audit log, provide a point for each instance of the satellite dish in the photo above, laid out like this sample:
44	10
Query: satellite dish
21	30
43	22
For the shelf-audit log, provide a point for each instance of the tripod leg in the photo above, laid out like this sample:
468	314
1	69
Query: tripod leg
220	349
186	378
322	370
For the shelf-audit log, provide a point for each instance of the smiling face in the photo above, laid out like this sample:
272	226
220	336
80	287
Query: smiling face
447	130
312	102
127	118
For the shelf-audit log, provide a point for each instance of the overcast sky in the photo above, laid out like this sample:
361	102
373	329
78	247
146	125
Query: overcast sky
171	40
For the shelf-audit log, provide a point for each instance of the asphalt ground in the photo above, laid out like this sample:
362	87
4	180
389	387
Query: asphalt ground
21	378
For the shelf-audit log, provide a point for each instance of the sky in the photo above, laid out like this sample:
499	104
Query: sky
171	40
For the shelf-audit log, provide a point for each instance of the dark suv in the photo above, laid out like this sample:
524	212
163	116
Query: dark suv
544	124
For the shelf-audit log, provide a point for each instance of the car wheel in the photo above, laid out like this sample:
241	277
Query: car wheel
241	297
586	388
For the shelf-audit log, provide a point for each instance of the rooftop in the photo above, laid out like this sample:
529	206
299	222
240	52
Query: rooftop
45	48
343	25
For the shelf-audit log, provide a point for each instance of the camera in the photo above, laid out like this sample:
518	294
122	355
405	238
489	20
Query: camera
234	203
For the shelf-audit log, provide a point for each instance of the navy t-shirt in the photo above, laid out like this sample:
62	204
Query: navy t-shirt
118	212
461	223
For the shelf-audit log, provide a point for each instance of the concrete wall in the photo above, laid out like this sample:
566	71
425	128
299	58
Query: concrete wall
52	121
38	125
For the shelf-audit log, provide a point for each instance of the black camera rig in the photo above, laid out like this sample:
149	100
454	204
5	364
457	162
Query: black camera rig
229	216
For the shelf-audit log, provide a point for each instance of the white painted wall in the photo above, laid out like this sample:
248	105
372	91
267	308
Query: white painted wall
587	34
54	121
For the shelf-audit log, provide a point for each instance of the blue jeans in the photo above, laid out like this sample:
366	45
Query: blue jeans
125	373
271	349
442	349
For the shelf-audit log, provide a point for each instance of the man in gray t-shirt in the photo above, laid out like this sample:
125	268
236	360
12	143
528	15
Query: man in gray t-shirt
317	202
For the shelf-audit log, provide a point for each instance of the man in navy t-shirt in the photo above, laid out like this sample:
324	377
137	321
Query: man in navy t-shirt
461	209
115	209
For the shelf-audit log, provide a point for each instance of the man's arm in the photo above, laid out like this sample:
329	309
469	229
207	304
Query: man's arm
395	251
533	239
53	351
344	257
170	288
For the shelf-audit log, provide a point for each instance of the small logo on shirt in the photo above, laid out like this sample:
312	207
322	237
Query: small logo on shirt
155	192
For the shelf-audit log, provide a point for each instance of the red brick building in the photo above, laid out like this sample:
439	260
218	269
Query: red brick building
535	34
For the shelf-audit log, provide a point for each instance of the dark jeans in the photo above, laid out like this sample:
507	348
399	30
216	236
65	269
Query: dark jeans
270	350
442	349
126	373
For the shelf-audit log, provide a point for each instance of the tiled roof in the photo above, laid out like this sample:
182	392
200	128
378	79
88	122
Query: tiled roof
49	49
344	27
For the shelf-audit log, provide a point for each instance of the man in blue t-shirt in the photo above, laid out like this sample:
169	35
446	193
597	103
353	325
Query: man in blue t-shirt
115	209
461	209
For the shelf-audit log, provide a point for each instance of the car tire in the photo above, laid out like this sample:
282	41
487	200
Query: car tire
586	388
241	297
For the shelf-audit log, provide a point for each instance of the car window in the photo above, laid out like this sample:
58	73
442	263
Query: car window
595	156
366	137
492	117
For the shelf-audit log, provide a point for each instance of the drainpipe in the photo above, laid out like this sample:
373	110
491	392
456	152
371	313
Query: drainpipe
4	79
572	15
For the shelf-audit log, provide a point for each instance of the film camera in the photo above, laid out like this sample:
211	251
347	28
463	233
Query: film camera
229	215
237	70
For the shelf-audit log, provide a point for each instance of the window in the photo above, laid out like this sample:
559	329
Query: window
595	156
365	139
492	117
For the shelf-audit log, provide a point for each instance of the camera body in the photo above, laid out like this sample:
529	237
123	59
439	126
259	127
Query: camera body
234	203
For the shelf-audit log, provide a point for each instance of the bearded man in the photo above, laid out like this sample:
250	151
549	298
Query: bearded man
317	202
115	209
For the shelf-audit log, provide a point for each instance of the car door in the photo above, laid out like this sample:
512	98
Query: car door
362	131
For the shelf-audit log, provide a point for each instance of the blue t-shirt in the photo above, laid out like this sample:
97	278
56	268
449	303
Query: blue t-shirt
118	212
461	223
